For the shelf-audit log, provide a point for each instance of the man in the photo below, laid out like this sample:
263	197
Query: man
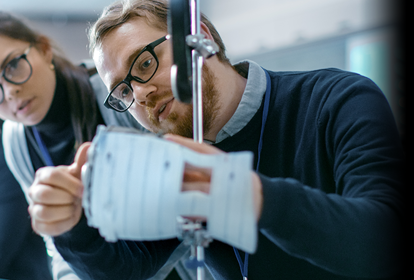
328	190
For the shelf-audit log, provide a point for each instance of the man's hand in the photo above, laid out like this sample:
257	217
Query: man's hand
196	179
56	195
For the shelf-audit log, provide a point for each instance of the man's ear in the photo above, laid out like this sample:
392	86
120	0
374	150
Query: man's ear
205	31
45	48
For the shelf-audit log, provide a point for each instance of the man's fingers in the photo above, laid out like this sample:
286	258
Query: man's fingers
196	186
257	195
191	144
194	174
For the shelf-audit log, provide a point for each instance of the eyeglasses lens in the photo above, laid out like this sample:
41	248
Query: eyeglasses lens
144	67
121	97
18	70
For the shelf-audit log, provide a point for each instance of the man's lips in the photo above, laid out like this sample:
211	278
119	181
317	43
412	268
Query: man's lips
162	109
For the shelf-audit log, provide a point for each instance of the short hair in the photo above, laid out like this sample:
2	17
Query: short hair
155	12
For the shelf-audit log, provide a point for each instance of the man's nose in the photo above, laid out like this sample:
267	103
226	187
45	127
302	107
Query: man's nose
142	93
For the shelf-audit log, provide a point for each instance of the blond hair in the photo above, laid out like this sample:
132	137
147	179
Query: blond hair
154	11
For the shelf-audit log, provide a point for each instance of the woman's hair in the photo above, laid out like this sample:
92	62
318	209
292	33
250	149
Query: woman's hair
82	102
154	11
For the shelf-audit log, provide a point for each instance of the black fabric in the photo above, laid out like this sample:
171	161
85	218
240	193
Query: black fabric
22	252
55	130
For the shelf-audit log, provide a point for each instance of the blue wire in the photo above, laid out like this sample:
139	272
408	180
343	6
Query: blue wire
244	266
42	147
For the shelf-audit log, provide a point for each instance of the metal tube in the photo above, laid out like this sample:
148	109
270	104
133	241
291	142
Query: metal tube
195	16
200	257
197	63
197	97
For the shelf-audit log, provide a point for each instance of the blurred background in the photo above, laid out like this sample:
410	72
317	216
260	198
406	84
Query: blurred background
355	35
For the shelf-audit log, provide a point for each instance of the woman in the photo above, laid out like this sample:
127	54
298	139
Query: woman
50	107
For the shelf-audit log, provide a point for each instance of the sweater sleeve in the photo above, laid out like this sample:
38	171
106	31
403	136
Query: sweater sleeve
350	225
91	257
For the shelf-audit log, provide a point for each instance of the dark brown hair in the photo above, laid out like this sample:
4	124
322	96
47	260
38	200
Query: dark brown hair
82	102
154	11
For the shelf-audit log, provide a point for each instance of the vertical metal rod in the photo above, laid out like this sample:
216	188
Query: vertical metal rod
197	63
195	16
200	257
197	98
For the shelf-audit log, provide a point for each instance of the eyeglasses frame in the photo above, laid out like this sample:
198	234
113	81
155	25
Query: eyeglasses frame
127	81
22	56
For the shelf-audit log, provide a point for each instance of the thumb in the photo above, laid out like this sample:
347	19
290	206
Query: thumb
80	159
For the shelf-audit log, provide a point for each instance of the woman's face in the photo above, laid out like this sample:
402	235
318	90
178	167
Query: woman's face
27	103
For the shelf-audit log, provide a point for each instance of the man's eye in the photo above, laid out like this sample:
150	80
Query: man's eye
122	92
146	64
125	92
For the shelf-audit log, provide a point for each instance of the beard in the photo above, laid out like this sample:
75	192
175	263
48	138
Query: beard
182	124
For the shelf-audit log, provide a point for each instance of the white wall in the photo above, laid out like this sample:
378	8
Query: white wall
246	26
279	34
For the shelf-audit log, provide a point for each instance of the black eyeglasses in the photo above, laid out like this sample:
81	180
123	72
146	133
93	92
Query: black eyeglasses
17	71
143	68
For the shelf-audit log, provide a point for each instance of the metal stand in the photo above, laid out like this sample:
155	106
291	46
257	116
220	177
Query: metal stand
192	233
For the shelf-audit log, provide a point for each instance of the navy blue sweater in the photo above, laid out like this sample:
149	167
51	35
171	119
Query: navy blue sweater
330	167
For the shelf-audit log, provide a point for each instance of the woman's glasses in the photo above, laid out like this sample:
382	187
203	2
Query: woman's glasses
17	71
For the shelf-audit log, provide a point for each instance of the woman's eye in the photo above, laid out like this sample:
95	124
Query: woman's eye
12	65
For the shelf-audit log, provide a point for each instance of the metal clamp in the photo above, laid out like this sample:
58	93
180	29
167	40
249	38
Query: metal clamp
205	47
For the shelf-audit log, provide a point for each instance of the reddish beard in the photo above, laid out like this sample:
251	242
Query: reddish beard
182	124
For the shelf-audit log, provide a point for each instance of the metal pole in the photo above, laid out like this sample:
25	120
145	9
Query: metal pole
197	97
200	257
194	233
197	63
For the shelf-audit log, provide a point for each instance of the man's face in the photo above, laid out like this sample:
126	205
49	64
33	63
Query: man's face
155	107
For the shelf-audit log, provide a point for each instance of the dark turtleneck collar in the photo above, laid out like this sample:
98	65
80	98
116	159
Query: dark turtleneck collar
58	116
55	130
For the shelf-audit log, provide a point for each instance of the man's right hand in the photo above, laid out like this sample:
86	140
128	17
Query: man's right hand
56	195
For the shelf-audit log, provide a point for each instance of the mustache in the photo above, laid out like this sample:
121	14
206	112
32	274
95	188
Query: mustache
152	100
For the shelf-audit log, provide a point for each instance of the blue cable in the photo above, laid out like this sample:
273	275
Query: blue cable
244	266
42	147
